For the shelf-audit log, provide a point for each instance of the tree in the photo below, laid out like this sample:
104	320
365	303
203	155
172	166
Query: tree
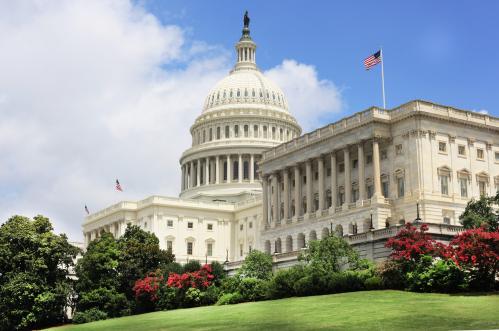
256	265
139	255
34	269
480	213
330	254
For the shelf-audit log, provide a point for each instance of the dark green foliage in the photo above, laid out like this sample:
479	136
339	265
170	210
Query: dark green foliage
283	282
392	275
210	295
110	301
191	266
217	269
436	276
172	267
139	255
230	299
90	315
481	212
192	297
253	289
256	265
34	265
169	298
230	284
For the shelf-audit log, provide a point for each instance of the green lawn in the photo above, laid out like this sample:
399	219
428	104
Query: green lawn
373	310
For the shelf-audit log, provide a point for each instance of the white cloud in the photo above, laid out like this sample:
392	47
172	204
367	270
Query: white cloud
93	90
309	97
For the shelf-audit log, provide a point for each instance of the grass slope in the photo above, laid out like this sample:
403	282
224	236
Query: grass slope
373	310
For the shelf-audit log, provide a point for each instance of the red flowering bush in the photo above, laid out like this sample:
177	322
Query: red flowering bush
147	288
201	278
477	251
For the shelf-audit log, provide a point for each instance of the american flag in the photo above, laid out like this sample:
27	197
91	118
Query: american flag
86	209
372	60
118	186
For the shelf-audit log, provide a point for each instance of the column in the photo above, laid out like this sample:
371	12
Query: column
320	163
265	201
275	201
240	169
198	173
285	176
334	185
191	185
182	178
308	173
376	169
348	177
207	171
228	169
362	171
252	168
217	169
297	191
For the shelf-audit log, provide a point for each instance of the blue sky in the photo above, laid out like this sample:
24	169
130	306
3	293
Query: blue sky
94	90
442	51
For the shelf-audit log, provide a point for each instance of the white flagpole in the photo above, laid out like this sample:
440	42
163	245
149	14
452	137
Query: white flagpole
382	77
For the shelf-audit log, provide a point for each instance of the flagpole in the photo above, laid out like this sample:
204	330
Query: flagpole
382	77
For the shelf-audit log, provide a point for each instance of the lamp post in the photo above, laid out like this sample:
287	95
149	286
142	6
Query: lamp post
226	262
418	219
371	227
331	230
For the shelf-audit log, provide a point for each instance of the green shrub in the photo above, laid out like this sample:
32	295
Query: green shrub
282	284
256	265
218	271
191	266
230	299
230	284
111	302
304	286
442	276
392	275
373	283
93	314
210	295
192	297
172	267
168	298
253	289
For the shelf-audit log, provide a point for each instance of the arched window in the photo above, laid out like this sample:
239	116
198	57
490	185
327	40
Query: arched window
325	233
246	131
218	133
255	131
261	94
211	134
339	230
236	131
245	170
267	247
300	241
238	93
304	205
289	244
230	94
227	132
273	132
245	92
225	94
265	134
312	235
253	93
281	136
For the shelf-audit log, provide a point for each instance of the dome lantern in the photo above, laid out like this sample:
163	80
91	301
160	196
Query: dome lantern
245	48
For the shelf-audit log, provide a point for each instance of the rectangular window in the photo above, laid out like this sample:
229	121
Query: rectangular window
209	249
385	188
463	182
316	175
369	159
250	225
328	172
169	223
355	195
241	226
384	155
442	147
236	131
190	225
461	150
482	187
400	187
479	153
398	149
355	163
341	198
227	131
341	167
189	248
444	185
169	245
209	226
304	179
369	191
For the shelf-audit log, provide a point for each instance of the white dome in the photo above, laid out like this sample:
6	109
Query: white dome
245	88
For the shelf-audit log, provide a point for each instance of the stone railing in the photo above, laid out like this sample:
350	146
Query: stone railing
374	113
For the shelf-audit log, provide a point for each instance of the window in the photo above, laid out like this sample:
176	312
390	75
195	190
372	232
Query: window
190	225
225	170
218	133
246	131
316	175
355	194
211	134
496	156
169	223
341	198
189	248
385	186
255	131
328	172
369	159
482	187
265	131
444	184
304	179
463	182
250	225
341	167
169	245
241	226
446	220
369	191
461	150
245	170
400	187
240	249
384	154
442	147
479	153
355	163
273	132
209	249
236	131
235	170
398	149
209	226
227	131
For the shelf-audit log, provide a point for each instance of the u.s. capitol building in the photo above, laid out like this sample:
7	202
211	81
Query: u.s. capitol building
250	180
